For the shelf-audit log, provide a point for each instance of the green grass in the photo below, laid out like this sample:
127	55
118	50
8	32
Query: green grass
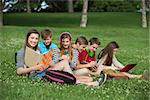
125	28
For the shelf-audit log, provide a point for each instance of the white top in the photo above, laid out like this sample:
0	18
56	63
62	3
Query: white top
115	63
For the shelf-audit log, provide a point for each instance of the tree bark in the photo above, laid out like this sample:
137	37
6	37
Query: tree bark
144	20
28	6
70	6
84	17
1	14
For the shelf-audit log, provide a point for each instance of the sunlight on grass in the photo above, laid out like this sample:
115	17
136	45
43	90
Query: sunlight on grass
134	48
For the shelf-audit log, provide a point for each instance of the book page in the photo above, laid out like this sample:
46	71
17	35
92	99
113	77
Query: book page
33	58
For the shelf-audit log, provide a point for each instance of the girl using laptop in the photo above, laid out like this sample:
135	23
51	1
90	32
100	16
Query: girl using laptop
108	61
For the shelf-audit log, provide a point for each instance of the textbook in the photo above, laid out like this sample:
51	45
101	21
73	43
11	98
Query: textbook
127	67
33	58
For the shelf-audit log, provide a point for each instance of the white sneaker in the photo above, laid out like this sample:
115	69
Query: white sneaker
146	75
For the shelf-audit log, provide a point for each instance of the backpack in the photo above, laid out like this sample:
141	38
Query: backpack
114	74
59	77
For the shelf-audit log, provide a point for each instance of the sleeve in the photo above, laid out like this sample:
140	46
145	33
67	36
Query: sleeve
56	46
56	55
74	60
20	58
53	46
116	62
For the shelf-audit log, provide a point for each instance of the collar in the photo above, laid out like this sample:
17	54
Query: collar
89	52
65	52
48	46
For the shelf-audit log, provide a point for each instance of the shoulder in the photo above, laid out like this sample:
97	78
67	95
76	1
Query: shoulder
42	47
53	45
38	51
40	44
114	57
19	58
74	46
21	51
84	52
56	50
75	51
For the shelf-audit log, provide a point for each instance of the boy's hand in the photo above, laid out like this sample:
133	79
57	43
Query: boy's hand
92	63
93	69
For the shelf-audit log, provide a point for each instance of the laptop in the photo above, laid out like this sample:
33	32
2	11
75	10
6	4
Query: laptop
127	67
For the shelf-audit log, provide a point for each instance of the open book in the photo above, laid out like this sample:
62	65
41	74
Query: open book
33	58
127	67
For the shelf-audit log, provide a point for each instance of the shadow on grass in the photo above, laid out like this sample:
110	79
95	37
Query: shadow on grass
112	19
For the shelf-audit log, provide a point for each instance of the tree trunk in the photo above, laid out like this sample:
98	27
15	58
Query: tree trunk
144	20
28	6
70	6
1	14
84	18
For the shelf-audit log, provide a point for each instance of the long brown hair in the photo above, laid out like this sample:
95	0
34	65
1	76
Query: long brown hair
27	37
108	50
64	35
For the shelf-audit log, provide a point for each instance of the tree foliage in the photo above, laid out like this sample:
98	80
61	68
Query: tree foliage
93	6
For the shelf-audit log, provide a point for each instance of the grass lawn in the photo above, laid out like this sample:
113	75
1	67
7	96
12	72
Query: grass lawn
125	28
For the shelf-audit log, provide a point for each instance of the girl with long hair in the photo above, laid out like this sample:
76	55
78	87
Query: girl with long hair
107	60
71	55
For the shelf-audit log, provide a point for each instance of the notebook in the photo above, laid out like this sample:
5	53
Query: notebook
127	67
33	58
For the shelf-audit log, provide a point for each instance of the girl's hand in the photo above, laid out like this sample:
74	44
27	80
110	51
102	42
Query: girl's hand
65	57
111	67
39	67
51	63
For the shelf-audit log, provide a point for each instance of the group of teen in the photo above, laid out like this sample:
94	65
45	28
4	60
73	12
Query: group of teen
78	59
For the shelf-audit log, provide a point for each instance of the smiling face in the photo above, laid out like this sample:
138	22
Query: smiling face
66	43
33	39
48	40
93	47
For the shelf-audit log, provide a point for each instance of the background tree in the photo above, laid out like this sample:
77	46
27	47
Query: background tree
70	6
1	14
28	6
84	17
144	20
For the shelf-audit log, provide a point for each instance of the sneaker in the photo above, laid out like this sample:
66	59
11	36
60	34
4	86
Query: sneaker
102	79
146	74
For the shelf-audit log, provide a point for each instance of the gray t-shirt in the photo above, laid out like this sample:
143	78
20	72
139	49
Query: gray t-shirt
20	58
20	63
